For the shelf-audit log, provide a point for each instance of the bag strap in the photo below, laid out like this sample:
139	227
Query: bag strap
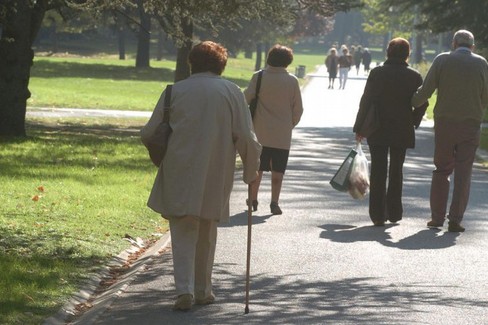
258	83
167	103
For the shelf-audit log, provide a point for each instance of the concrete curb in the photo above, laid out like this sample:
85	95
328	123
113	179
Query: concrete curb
102	301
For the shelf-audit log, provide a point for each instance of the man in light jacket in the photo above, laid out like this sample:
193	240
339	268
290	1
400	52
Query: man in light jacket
461	80
210	121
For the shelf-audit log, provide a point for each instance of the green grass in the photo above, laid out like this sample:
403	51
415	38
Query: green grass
116	84
70	193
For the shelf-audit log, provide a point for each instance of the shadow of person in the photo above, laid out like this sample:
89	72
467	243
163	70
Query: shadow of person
424	239
427	239
351	234
240	220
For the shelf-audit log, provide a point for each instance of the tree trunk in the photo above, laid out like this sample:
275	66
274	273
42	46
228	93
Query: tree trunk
248	54
259	54
159	54
182	67
121	23
144	37
16	58
418	57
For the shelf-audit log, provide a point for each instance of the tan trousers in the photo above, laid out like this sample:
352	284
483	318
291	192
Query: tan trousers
193	243
455	151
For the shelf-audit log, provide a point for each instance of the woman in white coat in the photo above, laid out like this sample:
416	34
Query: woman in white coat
210	121
278	111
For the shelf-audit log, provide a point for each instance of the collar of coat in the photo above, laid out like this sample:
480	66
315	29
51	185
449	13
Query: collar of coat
396	61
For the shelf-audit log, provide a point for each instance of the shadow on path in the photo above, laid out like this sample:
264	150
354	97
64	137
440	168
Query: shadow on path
424	239
290	299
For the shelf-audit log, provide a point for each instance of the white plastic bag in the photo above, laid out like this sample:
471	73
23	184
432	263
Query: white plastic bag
359	177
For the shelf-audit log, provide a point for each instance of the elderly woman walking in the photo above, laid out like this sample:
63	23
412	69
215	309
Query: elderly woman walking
210	121
389	89
278	110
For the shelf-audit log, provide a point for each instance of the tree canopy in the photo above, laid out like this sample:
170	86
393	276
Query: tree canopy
450	15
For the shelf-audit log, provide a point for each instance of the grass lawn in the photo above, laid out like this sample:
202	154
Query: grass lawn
115	84
70	193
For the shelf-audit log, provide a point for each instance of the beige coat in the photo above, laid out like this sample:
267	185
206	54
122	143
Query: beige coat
279	107
210	121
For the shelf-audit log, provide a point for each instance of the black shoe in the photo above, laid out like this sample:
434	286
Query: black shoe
379	223
254	204
394	220
435	224
275	208
455	227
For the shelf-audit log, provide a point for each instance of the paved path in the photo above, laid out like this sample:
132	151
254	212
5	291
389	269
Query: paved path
322	262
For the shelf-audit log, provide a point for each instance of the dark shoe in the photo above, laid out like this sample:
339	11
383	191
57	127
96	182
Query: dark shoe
254	204
394	220
379	223
435	224
455	227
275	209
183	302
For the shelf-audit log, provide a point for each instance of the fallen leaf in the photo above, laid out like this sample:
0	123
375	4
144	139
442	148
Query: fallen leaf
35	198
40	188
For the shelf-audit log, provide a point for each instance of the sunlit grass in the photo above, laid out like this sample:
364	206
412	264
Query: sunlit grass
70	193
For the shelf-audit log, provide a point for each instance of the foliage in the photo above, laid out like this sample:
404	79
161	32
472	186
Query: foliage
382	19
450	15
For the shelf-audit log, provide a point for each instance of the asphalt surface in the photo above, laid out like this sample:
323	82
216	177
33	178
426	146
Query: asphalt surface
322	261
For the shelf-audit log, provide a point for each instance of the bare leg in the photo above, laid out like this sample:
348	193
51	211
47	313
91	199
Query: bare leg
276	181
255	186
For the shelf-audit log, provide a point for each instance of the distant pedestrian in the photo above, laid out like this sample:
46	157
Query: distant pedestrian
345	63
210	121
366	60
278	111
358	56
332	62
461	80
389	88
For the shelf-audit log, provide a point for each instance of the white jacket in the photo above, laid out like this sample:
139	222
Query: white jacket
210	121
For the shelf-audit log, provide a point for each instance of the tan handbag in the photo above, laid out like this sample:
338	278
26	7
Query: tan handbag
157	143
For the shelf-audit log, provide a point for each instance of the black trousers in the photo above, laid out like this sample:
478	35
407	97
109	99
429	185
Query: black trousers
385	203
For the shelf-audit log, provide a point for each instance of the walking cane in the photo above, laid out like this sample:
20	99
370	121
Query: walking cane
248	262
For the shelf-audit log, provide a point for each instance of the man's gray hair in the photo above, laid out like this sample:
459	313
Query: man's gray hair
463	38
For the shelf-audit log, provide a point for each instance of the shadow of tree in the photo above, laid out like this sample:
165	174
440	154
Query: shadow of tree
66	69
286	300
76	145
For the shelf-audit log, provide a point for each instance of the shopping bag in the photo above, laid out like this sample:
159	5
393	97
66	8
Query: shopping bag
340	181
359	176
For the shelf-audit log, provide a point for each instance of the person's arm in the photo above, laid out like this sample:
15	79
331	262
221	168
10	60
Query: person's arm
419	111
484	92
371	91
297	109
245	140
156	119
250	91
428	87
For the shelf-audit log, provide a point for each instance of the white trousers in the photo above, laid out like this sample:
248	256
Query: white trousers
193	243
343	73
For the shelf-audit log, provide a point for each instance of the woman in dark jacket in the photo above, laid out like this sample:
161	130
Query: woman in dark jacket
390	87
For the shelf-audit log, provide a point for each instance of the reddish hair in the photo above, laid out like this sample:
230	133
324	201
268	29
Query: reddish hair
280	56
208	56
398	48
